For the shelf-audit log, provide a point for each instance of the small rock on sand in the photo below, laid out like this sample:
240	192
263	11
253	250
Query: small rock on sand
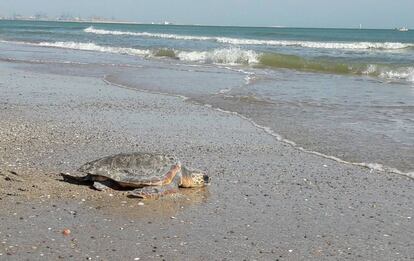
66	232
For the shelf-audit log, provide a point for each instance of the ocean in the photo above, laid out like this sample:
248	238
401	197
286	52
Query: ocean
344	94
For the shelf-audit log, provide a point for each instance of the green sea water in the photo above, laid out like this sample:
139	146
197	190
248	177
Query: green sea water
347	94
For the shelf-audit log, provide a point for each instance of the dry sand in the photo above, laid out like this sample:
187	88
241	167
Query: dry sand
267	201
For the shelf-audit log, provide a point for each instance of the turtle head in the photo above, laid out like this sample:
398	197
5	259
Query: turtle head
193	178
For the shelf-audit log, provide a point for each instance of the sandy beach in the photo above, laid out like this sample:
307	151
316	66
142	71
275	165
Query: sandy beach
267	200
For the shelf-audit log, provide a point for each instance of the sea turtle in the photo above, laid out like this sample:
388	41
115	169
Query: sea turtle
147	175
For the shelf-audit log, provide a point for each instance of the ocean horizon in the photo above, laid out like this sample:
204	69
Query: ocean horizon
202	25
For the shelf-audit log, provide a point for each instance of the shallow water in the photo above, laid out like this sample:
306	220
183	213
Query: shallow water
343	93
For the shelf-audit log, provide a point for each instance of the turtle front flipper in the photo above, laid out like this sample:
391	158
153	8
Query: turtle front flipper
166	179
154	192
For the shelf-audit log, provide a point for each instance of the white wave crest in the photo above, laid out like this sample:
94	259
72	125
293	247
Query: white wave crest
227	56
98	48
230	56
406	74
93	30
241	41
319	45
384	72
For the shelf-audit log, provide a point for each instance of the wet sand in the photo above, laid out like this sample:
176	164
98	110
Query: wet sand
267	201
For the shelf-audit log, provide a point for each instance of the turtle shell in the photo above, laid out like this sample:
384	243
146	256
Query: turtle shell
135	169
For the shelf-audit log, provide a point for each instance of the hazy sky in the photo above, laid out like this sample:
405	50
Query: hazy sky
301	13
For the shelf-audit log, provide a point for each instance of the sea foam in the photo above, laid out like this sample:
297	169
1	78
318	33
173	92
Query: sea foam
145	34
95	47
318	45
243	41
230	56
237	56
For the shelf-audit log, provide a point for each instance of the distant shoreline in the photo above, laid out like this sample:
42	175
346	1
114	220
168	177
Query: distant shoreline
201	25
73	21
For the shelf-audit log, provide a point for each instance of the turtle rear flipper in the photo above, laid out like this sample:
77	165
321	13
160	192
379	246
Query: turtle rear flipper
154	192
76	179
102	185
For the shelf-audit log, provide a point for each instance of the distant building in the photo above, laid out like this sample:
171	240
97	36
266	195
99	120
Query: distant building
41	16
17	17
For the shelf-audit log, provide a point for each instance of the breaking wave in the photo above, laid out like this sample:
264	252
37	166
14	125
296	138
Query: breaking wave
91	29
231	56
319	45
237	56
388	72
95	47
241	41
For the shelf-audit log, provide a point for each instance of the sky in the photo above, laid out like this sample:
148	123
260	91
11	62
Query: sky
294	13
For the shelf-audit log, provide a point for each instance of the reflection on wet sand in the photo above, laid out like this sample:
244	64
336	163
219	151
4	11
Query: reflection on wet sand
163	208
